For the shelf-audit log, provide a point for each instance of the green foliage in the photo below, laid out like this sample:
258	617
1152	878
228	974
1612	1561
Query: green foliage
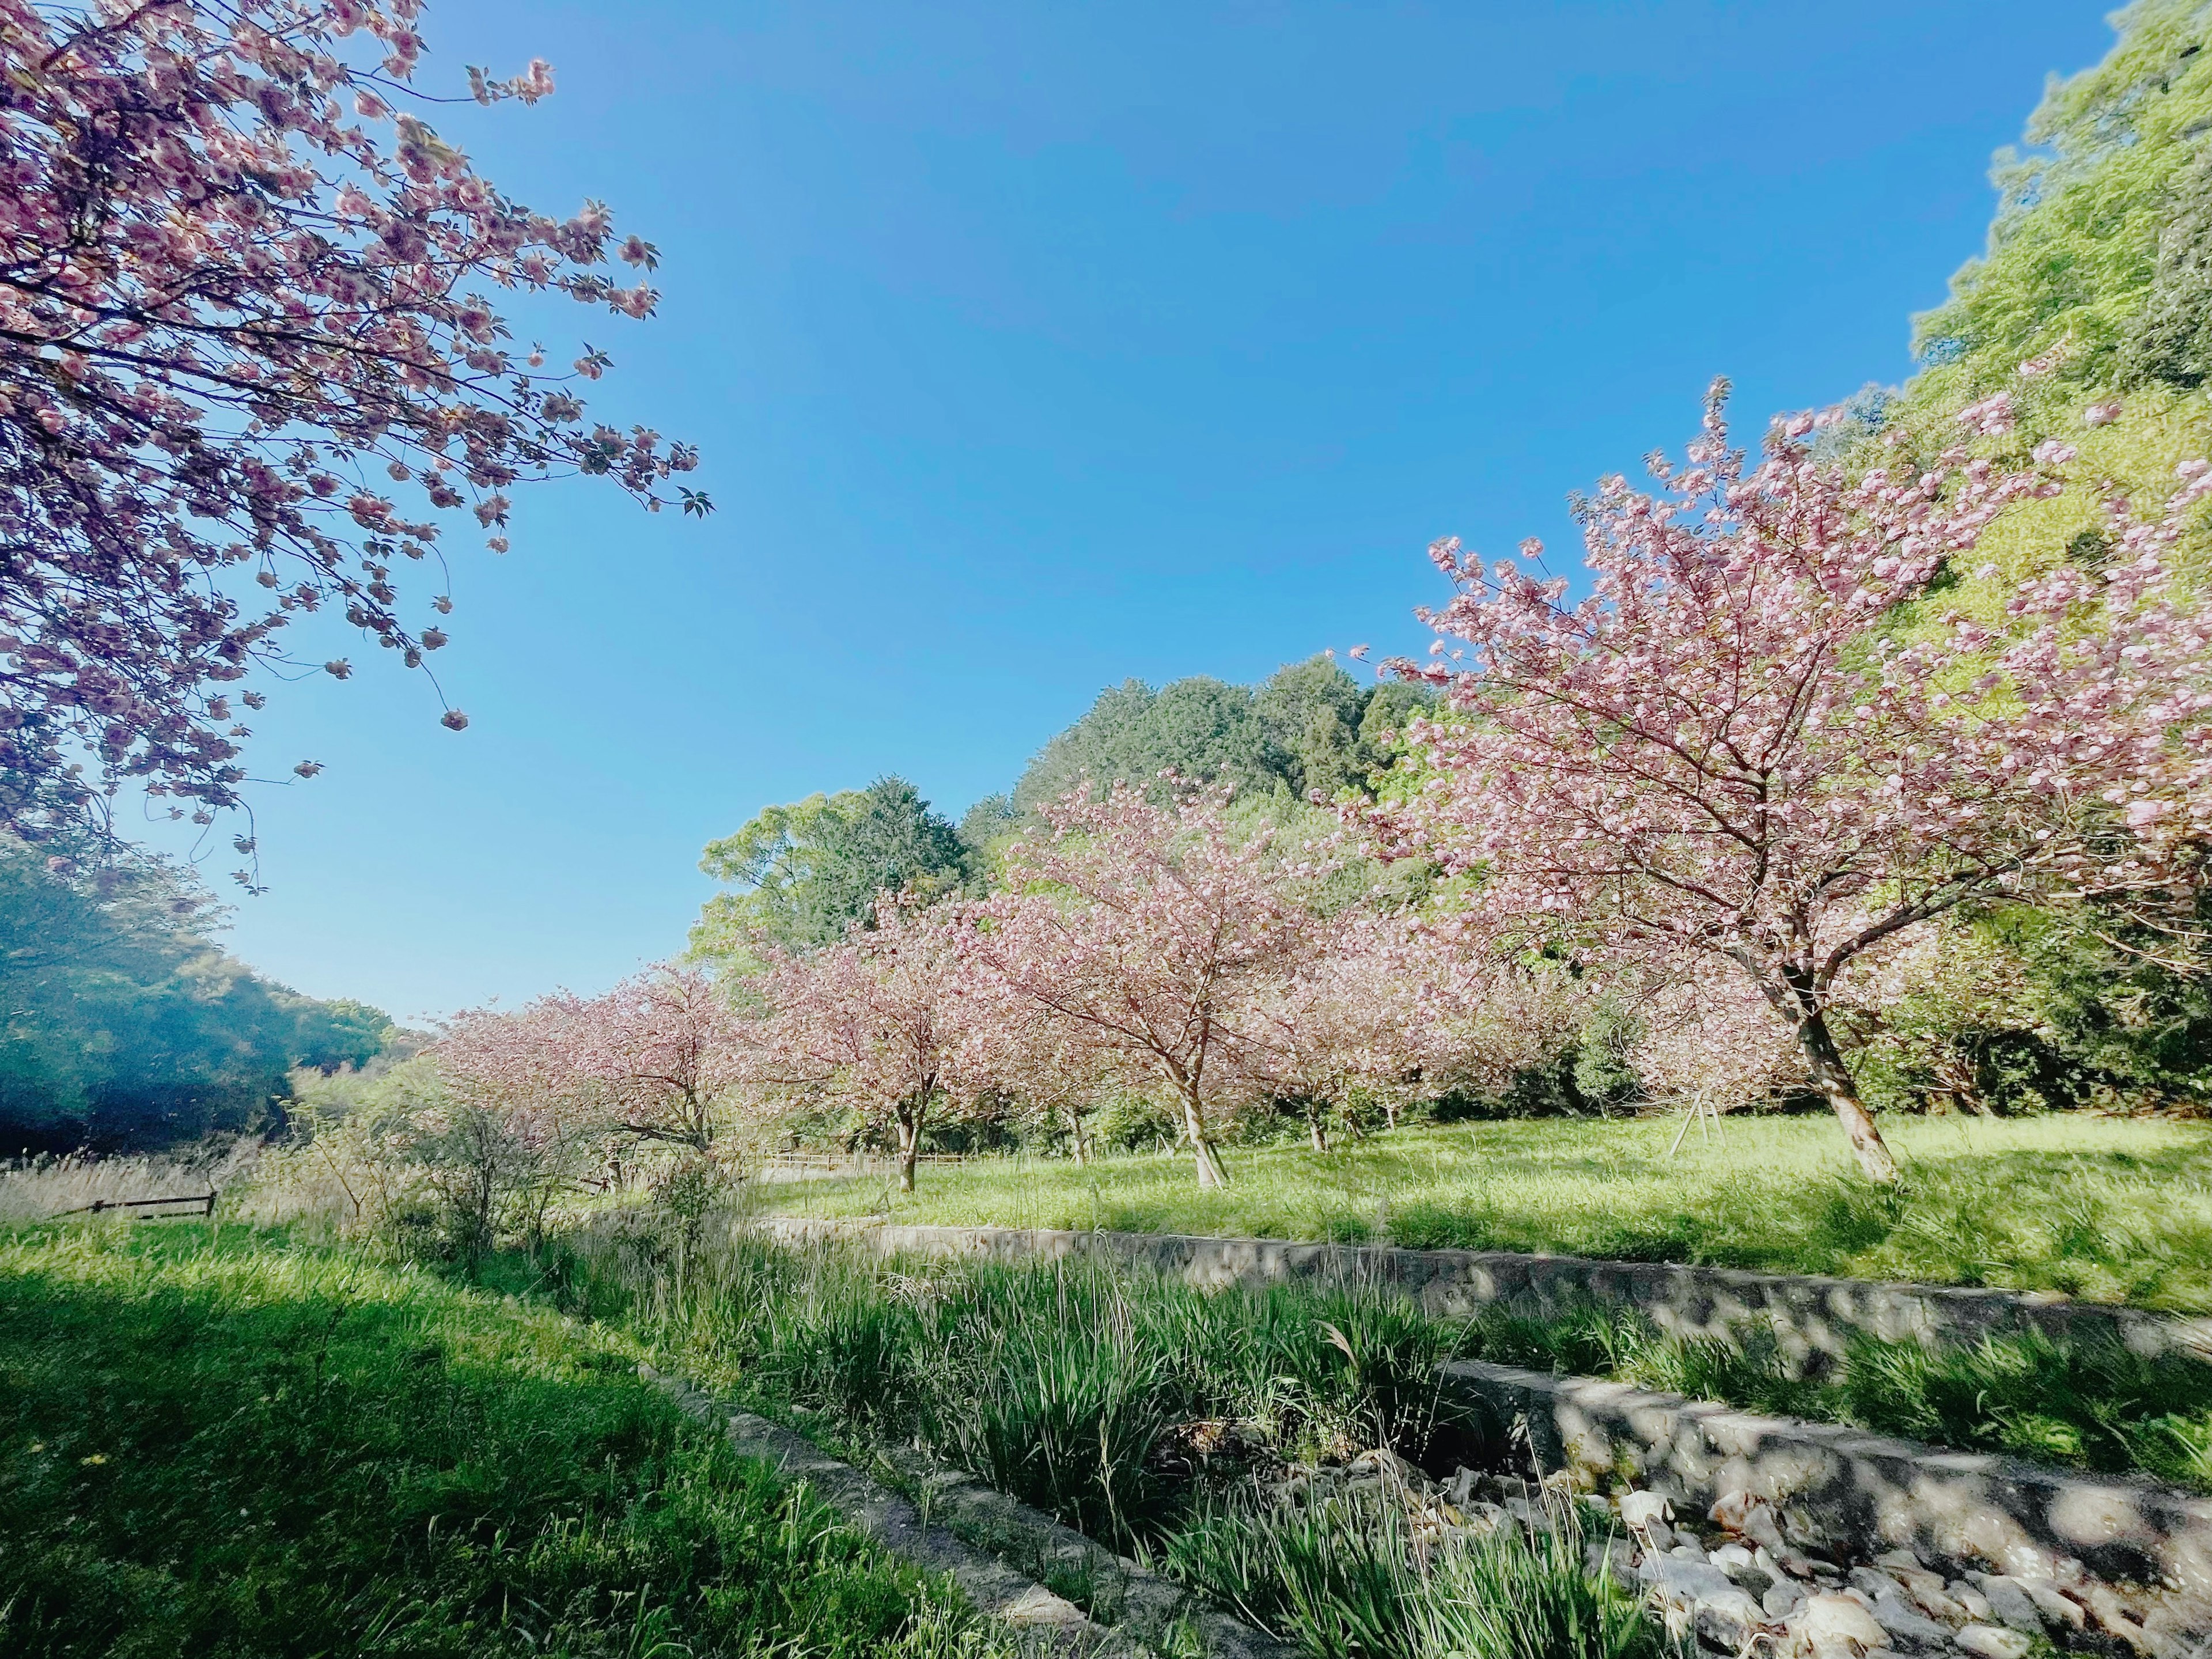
122	1026
2036	1010
2095	238
807	872
1341	1577
247	1446
2171	339
341	1034
1307	726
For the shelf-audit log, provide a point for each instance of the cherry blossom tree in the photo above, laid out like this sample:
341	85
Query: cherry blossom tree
1712	1042
247	357
510	1122
663	1049
884	1023
1737	748
651	1060
1153	933
1050	1069
1394	1010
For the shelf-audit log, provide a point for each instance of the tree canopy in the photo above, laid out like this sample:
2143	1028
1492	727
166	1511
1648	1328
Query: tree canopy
2100	238
1309	728
122	1024
808	871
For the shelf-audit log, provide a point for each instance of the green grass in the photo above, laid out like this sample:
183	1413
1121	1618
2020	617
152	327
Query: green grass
245	1446
1342	1577
1139	1410
1058	1382
2114	1210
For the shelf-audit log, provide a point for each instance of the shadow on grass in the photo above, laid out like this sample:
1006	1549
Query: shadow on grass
229	1448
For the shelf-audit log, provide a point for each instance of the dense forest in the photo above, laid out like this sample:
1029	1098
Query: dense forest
122	1024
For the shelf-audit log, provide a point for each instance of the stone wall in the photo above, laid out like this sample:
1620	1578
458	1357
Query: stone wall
1813	1317
1853	1495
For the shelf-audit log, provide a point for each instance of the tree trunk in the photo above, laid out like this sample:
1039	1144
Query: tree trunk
1082	1141
909	1130
1313	1128
1833	1078
1211	1174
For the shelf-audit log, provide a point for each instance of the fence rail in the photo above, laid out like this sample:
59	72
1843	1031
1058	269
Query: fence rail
205	1201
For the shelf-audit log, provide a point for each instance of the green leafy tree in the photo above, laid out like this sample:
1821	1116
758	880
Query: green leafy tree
807	872
1310	726
121	1023
2089	224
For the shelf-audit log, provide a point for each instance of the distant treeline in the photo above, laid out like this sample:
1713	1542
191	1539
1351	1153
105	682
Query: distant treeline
123	1026
808	871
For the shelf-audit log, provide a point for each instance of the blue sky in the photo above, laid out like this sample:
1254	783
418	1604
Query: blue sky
1033	346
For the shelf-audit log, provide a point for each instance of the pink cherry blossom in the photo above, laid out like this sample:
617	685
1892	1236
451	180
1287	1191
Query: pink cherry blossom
233	284
1150	936
884	1023
1728	752
651	1060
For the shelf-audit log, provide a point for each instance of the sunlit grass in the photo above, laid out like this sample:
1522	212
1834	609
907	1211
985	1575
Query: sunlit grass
2110	1209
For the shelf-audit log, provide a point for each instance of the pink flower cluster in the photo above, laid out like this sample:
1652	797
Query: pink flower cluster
1739	748
240	297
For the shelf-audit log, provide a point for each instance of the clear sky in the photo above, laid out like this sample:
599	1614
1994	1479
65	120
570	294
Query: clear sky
1031	347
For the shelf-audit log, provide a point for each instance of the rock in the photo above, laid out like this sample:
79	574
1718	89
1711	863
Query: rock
2014	1608
1782	1599
1638	1509
1728	1620
1613	1556
1905	1559
1836	1627
1994	1642
1910	1631
1748	1517
1684	1582
1924	1589
1976	1604
2055	1606
2113	1617
1483	1519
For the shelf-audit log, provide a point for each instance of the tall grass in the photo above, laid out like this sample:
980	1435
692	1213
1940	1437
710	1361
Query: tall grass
1346	1577
1061	1382
2112	1209
35	1187
1146	1412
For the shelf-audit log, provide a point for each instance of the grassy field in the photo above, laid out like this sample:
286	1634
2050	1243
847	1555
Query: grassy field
2110	1209
237	1446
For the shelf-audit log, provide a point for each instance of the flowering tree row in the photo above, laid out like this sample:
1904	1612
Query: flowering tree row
1160	949
1740	785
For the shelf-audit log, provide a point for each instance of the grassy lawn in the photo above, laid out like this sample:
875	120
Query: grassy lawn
2105	1208
242	1447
